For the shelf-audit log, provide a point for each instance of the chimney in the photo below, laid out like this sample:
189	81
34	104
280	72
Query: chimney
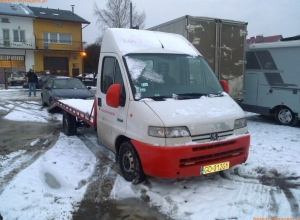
73	8
259	39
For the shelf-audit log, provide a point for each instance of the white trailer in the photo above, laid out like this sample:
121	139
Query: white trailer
272	80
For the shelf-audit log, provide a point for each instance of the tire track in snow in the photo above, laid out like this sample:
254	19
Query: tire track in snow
96	203
274	185
11	167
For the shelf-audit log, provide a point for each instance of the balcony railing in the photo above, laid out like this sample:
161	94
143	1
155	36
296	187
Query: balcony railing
11	43
40	44
68	45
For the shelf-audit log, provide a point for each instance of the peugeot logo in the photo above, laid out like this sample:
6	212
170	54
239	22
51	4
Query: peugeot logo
214	136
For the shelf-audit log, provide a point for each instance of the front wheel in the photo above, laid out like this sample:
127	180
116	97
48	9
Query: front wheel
130	164
284	116
69	124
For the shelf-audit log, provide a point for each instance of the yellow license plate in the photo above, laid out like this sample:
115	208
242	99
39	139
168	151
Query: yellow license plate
214	168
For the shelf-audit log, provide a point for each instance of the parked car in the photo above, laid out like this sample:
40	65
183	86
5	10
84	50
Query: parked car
56	88
42	80
16	78
89	79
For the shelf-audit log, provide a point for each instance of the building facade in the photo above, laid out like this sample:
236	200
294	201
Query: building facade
45	40
16	39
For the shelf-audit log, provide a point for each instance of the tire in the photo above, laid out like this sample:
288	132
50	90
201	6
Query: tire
43	101
130	164
284	116
50	101
69	124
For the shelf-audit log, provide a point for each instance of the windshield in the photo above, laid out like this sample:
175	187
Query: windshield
68	84
169	75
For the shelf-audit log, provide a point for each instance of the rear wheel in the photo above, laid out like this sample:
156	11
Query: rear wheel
69	124
284	116
130	164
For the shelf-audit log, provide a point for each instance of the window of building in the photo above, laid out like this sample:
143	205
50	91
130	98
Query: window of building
65	38
57	24
19	36
53	38
4	20
57	38
11	61
6	40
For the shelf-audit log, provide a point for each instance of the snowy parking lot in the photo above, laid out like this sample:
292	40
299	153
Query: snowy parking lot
49	174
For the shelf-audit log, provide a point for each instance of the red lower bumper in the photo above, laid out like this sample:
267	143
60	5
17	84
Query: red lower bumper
187	160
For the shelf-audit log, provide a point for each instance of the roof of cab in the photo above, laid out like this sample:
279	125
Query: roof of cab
125	41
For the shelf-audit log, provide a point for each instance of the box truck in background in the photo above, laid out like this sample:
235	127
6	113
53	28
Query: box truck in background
272	80
221	42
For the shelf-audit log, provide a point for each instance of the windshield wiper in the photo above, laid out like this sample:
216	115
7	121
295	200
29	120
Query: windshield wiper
220	94
158	98
190	95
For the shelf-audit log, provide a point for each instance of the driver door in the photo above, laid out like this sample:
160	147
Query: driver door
111	121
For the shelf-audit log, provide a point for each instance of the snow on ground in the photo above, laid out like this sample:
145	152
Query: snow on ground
274	150
51	187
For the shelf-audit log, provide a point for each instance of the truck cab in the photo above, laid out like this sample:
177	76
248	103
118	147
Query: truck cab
161	109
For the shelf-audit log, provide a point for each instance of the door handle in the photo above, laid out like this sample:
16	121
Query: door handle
99	102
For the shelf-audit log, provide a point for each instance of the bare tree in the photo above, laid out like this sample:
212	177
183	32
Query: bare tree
117	15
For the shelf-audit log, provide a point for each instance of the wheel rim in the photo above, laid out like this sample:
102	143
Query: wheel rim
128	162
285	116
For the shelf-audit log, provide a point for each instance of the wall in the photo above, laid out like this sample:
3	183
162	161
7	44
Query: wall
74	29
14	24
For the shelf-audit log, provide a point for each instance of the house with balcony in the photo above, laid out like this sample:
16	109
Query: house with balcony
43	39
58	41
17	40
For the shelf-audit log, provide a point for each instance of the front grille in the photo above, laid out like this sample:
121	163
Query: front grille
206	137
213	146
225	155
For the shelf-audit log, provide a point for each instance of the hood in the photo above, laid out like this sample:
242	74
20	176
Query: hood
73	93
204	115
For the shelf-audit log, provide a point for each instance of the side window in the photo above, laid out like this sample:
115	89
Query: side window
111	74
252	62
48	83
107	73
119	80
266	60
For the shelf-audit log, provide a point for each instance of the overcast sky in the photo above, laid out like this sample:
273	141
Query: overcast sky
264	17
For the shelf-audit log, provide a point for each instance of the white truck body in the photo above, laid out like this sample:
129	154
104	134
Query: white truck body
160	108
172	119
272	80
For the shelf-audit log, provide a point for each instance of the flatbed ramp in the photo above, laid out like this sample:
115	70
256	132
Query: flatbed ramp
81	109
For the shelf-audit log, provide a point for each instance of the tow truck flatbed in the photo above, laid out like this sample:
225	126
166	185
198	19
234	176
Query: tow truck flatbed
81	109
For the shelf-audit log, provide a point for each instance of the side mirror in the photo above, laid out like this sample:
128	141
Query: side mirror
225	86
48	88
113	95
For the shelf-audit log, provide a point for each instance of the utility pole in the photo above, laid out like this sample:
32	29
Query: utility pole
130	15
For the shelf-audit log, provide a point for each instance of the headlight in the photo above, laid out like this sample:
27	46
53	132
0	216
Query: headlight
172	132
240	123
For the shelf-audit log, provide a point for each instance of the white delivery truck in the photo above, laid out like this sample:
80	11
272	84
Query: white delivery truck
160	108
272	80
